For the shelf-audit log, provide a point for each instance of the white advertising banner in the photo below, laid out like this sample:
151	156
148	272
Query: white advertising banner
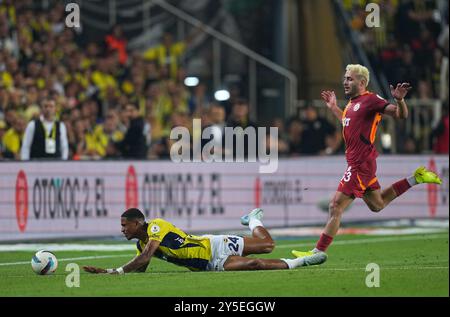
83	199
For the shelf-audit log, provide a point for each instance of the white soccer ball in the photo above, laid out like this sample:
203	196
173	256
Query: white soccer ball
44	262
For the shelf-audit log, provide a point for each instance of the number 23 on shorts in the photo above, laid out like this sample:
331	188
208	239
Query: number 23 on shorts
347	174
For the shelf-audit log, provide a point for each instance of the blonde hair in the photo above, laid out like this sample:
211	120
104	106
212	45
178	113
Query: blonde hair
361	72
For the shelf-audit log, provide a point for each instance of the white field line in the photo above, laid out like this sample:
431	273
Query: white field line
75	259
345	242
372	240
318	268
54	247
310	269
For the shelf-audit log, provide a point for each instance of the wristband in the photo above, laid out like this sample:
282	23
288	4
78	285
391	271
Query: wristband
399	100
120	271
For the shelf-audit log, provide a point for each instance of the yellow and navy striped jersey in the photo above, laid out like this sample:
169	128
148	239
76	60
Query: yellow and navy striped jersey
177	247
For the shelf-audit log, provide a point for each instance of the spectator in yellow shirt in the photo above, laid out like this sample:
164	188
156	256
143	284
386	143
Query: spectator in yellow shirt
2	133
7	7
12	139
108	132
102	78
85	145
167	54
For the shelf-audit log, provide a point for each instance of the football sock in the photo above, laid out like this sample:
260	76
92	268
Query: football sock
324	242
253	223
411	181
293	263
402	186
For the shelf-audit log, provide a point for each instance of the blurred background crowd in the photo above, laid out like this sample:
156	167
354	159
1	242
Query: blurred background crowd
412	46
116	102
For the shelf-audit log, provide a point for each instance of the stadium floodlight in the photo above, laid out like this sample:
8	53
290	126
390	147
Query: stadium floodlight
386	140
222	95
191	81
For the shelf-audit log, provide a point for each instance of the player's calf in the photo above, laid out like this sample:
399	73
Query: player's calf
335	210
255	264
238	263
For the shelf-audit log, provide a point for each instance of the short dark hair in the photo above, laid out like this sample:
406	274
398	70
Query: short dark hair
132	214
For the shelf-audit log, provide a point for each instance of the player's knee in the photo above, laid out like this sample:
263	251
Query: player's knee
377	207
255	264
269	246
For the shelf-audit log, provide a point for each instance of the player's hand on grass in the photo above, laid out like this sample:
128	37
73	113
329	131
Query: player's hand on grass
400	91
94	270
330	98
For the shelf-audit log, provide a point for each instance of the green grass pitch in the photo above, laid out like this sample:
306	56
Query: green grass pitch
412	265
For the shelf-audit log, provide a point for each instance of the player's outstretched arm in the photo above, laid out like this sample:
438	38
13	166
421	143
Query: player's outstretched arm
142	269
142	259
136	264
330	99
94	270
399	111
98	270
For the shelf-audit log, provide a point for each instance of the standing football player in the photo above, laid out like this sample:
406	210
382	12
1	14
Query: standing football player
360	120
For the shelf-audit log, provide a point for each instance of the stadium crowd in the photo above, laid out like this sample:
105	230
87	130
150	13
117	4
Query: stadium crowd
117	103
411	44
97	88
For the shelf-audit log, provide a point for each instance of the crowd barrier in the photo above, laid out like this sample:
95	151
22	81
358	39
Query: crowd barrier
50	200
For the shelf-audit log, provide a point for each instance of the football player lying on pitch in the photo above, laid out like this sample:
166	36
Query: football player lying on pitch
163	240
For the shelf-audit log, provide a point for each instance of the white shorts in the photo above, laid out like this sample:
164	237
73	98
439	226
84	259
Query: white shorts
222	246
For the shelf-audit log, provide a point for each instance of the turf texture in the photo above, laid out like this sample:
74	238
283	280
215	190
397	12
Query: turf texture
411	265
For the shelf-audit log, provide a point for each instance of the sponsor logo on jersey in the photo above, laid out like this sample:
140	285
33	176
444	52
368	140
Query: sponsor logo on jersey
155	229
